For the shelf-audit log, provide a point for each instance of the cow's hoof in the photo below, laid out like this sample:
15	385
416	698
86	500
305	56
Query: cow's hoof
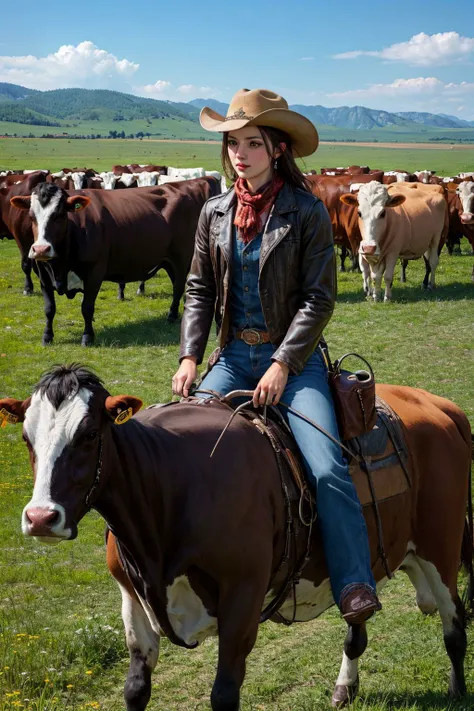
342	268
27	292
47	340
140	292
171	318
121	297
386	299
344	695
87	340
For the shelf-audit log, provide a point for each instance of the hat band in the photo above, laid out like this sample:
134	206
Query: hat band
239	114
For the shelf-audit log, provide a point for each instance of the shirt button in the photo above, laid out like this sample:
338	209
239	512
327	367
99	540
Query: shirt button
245	267
246	288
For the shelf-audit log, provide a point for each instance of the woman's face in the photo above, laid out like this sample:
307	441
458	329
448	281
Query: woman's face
249	156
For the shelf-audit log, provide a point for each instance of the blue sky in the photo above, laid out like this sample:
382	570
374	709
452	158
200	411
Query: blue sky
400	55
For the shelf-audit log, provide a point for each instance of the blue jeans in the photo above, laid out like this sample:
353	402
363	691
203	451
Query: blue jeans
340	517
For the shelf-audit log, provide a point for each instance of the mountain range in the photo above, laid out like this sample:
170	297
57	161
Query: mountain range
67	107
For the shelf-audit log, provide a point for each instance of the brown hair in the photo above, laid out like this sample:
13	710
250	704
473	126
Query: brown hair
287	168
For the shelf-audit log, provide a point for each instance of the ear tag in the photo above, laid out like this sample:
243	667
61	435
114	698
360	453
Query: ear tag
7	418
123	416
77	206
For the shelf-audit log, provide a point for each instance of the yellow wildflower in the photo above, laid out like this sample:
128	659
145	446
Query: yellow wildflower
89	671
70	686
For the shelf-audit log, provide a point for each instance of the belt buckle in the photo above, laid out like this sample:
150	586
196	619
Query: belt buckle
251	337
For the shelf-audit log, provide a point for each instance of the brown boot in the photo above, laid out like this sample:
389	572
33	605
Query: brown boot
358	604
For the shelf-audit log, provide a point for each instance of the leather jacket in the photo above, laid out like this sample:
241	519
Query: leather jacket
297	277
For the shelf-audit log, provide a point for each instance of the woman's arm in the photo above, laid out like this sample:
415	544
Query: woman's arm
200	295
318	286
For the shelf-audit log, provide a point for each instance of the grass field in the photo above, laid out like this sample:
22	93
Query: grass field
183	128
61	637
25	153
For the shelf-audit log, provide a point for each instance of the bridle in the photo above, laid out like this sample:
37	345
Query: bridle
98	472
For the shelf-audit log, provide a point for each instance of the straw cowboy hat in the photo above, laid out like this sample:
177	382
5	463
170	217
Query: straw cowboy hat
260	107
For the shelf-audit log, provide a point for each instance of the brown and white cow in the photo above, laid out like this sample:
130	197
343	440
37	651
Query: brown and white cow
83	238
202	554
399	221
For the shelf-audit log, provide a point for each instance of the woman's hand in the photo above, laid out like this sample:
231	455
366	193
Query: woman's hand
270	388
184	376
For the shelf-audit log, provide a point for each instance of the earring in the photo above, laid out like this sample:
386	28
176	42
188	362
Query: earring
275	165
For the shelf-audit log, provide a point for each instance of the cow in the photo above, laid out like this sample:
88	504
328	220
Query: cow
203	544
343	217
186	173
19	229
147	178
460	197
87	237
397	221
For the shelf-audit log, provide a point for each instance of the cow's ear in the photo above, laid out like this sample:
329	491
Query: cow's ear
395	200
77	203
13	411
349	199
452	187
122	407
21	202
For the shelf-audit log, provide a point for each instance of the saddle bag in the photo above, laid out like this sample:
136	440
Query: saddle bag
354	398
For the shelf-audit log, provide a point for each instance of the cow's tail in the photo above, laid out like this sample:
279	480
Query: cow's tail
467	549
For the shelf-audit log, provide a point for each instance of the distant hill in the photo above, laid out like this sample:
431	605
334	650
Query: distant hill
100	112
439	120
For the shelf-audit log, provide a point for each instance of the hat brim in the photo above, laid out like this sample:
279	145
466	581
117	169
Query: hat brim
303	133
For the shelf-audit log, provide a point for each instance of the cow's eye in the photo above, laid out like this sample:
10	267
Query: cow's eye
359	213
382	214
91	436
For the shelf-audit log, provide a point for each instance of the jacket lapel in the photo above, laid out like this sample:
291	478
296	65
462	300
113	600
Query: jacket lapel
223	225
278	224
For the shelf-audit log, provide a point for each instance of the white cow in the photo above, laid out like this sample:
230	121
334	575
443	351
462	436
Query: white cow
219	177
163	179
424	175
78	179
127	179
147	179
186	173
465	190
108	180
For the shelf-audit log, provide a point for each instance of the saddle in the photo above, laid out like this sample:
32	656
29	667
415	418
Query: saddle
378	464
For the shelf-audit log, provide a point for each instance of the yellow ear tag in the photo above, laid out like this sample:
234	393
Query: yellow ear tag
7	418
123	416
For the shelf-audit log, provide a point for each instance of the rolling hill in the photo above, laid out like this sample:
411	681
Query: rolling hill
104	113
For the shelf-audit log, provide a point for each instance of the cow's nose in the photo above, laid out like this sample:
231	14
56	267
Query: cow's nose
41	520
467	217
41	250
368	248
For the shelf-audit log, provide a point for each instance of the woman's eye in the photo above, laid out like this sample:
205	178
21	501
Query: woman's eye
91	436
255	145
232	143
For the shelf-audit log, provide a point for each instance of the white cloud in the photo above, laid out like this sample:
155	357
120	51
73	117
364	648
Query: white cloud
306	59
421	50
408	87
416	94
84	66
166	91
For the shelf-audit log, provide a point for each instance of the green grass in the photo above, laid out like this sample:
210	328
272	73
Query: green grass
59	608
20	153
183	128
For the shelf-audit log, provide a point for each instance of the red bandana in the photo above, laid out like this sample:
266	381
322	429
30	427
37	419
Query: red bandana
250	207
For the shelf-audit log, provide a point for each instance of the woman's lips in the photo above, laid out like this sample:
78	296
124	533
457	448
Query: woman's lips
242	166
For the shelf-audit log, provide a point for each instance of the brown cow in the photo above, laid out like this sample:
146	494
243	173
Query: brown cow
201	553
411	227
90	236
344	221
18	227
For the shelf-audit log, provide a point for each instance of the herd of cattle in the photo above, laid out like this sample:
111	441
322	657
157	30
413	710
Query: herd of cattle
76	227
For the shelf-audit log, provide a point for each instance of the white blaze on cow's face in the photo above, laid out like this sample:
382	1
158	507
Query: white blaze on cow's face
374	199
49	431
108	180
43	213
466	195
78	180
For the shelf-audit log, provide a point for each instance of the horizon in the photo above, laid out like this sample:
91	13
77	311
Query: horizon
419	61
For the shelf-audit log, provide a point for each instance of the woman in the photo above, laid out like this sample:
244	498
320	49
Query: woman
264	264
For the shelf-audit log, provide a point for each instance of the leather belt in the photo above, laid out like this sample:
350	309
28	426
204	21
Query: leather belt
252	337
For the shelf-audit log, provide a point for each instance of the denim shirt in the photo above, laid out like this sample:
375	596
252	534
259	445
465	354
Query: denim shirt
245	307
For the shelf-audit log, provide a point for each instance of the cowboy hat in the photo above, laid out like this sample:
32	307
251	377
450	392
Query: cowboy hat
260	107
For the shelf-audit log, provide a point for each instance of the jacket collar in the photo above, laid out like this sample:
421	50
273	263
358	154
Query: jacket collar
285	201
277	227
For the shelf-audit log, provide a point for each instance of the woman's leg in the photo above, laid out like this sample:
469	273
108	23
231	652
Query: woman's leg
231	372
339	511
